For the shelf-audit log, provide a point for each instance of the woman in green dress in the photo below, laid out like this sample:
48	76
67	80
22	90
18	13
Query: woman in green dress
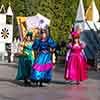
26	59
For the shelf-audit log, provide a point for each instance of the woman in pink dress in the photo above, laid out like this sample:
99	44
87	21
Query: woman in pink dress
76	67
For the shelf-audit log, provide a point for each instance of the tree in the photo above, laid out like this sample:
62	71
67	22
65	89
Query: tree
62	13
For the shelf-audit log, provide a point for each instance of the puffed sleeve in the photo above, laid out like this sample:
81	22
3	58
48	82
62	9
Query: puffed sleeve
52	43
35	45
83	53
68	54
69	46
83	45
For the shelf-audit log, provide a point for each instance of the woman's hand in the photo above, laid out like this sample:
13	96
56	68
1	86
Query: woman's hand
52	50
83	45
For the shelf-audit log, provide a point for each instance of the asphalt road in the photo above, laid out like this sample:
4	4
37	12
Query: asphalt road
58	89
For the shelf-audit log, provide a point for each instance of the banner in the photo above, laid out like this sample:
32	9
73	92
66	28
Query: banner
39	21
29	23
21	26
43	18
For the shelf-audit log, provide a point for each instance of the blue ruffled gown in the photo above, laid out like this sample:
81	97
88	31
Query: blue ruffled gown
42	68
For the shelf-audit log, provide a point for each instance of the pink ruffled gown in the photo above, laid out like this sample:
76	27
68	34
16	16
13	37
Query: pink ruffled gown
76	68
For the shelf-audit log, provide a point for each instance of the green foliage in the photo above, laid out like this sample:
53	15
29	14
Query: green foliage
62	13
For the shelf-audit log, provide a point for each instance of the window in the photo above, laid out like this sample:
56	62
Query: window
8	19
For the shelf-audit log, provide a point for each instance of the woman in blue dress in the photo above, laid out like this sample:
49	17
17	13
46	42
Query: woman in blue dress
42	68
26	59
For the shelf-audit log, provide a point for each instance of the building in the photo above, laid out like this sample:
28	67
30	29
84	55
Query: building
6	29
89	22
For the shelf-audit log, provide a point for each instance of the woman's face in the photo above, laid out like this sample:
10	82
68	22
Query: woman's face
28	38
76	40
44	35
36	31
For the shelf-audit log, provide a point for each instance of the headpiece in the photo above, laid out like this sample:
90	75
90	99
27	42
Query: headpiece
75	34
43	31
29	33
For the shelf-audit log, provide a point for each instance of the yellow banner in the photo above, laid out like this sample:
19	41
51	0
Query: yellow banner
22	26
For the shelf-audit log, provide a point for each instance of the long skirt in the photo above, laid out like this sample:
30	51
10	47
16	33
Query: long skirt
24	68
76	68
42	68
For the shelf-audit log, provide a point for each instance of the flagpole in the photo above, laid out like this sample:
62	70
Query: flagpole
20	28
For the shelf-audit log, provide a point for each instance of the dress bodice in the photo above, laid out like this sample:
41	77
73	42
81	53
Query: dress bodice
28	47
41	44
76	49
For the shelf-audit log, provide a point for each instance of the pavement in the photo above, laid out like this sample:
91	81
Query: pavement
58	89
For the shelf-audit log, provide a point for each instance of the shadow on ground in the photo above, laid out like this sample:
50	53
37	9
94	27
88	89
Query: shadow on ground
20	83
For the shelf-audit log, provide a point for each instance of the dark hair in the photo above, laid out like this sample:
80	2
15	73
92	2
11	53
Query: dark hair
72	30
30	35
43	31
73	41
